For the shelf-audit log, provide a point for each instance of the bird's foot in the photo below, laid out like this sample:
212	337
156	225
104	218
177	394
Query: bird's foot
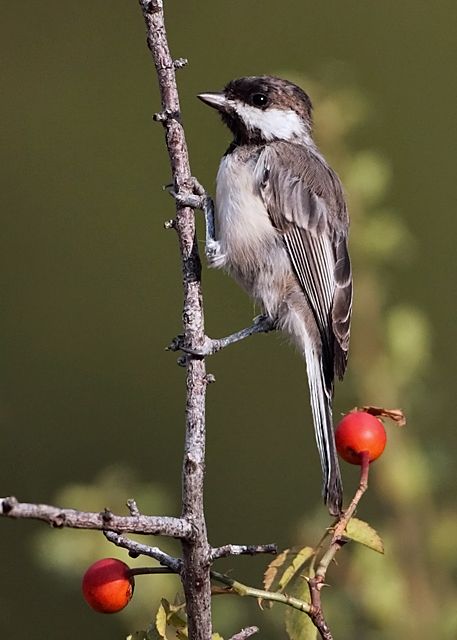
210	346
197	198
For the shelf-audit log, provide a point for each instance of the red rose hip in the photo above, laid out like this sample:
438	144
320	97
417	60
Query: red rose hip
107	585
360	431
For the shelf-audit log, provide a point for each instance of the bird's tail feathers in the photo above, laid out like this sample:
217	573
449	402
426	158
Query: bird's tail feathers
321	407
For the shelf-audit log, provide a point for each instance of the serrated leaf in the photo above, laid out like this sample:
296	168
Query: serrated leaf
161	618
298	623
363	533
301	557
272	569
173	616
178	620
284	567
271	577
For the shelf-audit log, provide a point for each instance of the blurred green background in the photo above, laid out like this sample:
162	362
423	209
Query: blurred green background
91	405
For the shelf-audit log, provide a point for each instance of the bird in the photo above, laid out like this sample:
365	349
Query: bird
281	231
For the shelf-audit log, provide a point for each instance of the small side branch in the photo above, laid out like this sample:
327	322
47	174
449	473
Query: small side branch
138	548
338	537
59	518
245	633
338	540
242	549
243	590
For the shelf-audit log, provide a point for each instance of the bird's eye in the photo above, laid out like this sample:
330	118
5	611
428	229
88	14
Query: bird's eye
259	100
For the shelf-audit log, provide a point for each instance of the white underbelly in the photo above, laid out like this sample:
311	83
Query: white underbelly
254	252
243	226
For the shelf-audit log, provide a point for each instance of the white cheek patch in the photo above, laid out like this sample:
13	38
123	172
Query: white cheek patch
274	124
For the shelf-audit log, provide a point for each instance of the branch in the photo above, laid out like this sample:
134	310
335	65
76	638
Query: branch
338	540
59	518
242	590
245	633
242	549
138	548
196	553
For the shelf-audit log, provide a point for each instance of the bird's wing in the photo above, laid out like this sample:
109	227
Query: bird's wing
305	202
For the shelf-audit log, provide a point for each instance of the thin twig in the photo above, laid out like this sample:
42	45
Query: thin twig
317	582
242	549
245	633
338	539
243	590
146	571
175	564
73	519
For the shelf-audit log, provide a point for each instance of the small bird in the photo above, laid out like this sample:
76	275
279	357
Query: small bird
281	229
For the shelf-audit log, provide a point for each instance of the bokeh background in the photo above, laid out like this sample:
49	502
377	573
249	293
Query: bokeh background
91	405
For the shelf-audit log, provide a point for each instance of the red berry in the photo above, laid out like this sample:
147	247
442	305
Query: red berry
359	431
107	585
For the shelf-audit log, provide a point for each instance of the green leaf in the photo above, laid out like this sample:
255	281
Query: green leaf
178	619
285	566
216	636
171	615
161	618
271	572
301	558
361	532
298	623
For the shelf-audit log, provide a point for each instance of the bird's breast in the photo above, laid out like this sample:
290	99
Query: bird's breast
254	250
243	226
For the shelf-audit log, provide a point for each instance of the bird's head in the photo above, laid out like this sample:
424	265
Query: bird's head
259	109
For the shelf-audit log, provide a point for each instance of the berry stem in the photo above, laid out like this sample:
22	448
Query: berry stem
338	538
141	571
316	583
364	469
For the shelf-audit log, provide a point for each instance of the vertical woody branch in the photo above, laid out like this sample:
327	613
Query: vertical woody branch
196	552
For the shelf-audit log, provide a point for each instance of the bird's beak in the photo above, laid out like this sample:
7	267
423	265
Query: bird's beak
216	100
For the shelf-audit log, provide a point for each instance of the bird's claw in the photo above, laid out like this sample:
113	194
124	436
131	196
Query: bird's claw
265	322
195	199
208	348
